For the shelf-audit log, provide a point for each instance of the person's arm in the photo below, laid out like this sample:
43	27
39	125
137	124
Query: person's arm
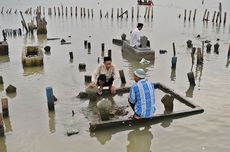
132	95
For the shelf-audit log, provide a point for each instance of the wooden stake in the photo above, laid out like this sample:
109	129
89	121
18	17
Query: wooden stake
152	12
100	13
228	52
207	16
214	15
55	11
185	12
50	98
191	78
225	16
92	12
76	11
132	12
204	14
220	11
190	12
146	9
88	12
59	13
62	10
71	11
137	12
217	17
66	11
122	76
148	12
112	13
5	108
117	12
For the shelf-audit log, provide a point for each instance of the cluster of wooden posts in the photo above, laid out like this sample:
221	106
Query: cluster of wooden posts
217	15
84	12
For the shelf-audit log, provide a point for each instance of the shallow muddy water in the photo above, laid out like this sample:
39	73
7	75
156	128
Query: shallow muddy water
31	127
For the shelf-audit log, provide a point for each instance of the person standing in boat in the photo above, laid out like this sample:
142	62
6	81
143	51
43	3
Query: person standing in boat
104	75
142	96
135	36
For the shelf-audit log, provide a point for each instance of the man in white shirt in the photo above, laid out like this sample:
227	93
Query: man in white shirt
104	75
136	35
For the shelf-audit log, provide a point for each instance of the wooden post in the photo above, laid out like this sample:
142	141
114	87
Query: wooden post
5	109
82	66
23	22
92	12
81	12
167	100
202	54
217	17
204	14
117	12
110	53
112	13
228	52
207	16
132	12
2	131
214	15
88	13
44	11
89	46
225	16
50	98
85	43
71	11
88	78
102	46
137	12
148	12
84	12
76	11
127	13
59	13
199	56
2	10
146	9
66	11
71	55
55	11
189	17
192	54
216	48
191	78
100	13
122	76
121	12
185	12
220	11
62	10
1	80
174	58
208	47
151	12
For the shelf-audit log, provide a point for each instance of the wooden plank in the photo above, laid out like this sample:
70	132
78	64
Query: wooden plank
133	122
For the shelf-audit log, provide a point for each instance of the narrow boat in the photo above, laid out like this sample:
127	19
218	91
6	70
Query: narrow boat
32	56
130	122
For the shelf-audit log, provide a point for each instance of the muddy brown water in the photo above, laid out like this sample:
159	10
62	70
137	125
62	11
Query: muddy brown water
31	127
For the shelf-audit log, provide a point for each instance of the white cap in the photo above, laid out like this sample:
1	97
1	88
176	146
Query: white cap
140	73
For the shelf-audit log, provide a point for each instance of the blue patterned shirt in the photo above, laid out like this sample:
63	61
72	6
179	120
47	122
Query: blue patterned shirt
142	95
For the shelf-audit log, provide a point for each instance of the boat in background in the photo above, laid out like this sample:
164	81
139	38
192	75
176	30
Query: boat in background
145	2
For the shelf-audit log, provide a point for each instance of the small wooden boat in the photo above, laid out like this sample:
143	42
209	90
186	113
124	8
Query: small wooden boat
130	122
144	2
138	52
32	56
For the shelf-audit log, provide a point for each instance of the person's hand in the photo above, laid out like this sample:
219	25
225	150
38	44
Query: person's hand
113	90
92	85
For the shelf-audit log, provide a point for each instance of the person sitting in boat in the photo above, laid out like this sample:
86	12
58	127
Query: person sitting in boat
135	36
104	75
142	96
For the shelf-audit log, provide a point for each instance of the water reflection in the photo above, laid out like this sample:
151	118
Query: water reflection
198	74
11	95
3	147
33	70
173	74
140	140
4	59
8	125
1	87
41	38
189	92
52	128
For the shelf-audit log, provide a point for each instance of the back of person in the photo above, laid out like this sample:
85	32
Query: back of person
144	94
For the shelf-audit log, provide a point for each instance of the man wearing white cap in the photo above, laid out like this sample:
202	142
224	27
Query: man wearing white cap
142	96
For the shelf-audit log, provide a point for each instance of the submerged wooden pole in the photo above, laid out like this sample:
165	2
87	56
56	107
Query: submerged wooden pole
214	15
220	11
66	11
88	12
204	14
92	13
132	12
117	12
62	10
137	12
2	130
217	17
207	16
100	13
55	13
189	17
191	78
71	11
59	13
122	76
5	108
146	9
76	11
174	58
228	56
110	53
148	12
185	12
112	13
50	98
71	55
151	12
225	16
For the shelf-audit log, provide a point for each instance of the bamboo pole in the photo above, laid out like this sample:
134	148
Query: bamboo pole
214	15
